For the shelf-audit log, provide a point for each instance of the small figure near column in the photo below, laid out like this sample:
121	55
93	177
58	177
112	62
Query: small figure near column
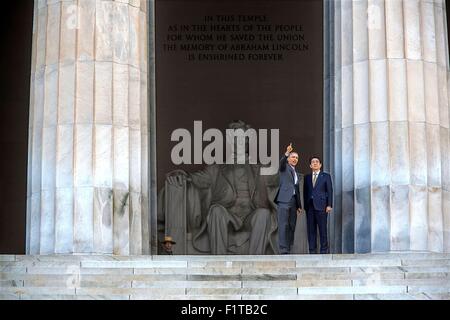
167	245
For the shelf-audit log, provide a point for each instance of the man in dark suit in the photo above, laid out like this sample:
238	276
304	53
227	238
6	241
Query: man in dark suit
289	199
318	194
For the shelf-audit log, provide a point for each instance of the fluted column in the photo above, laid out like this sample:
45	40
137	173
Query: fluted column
389	81
87	176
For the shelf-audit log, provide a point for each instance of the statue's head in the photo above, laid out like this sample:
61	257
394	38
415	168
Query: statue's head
238	124
239	146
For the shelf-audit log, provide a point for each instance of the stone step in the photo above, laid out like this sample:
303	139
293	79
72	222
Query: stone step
86	257
317	257
58	281
219	275
412	276
136	282
246	265
404	296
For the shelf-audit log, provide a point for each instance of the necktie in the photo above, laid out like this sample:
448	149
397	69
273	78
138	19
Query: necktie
314	179
294	175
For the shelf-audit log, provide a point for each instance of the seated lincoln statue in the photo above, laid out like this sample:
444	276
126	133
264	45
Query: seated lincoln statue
222	209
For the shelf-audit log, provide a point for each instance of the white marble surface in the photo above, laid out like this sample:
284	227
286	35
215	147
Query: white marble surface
64	220
446	219
83	220
103	92
398	153
84	95
86	31
435	220
394	29
379	155
103	158
441	34
103	220
361	92
418	147
397	90
400	225
360	31
443	97
418	196
47	222
411	11
445	165
68	34
377	29
431	92
378	90
66	96
87	128
428	31
346	40
416	91
346	102
380	219
434	178
64	156
362	157
83	146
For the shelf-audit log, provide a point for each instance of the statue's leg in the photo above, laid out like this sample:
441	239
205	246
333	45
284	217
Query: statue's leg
218	220
301	236
259	237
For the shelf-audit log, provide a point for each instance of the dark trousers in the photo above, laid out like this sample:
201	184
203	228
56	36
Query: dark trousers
287	219
314	219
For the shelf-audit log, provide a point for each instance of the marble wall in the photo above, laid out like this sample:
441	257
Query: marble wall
387	71
88	141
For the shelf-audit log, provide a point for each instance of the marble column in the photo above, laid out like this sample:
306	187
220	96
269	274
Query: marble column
88	134
387	104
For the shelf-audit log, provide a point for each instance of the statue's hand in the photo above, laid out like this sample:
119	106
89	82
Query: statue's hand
177	178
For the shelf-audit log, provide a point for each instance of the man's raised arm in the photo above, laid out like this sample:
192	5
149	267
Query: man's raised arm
283	160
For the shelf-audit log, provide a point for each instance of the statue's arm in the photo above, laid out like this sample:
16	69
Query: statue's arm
202	179
272	180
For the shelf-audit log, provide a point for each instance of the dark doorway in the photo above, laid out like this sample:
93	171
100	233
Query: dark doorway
268	94
275	92
15	60
260	62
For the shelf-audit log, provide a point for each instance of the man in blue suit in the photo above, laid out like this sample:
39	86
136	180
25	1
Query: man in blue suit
289	199
318	195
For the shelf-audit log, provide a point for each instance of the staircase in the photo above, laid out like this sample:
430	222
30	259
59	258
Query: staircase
402	275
